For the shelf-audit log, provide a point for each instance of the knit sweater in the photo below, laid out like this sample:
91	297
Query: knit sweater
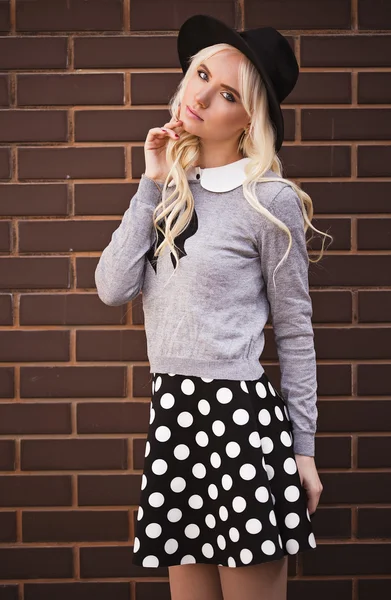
209	319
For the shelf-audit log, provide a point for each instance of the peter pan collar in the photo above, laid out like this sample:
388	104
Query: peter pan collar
219	179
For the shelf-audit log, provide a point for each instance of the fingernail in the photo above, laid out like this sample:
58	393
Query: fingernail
176	135
162	128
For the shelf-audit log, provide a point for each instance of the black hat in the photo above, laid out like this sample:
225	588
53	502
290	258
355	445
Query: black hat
266	47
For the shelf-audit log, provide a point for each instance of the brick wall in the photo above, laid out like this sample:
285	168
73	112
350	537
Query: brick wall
81	82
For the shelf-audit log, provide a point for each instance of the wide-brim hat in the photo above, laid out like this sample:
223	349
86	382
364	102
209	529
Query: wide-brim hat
265	47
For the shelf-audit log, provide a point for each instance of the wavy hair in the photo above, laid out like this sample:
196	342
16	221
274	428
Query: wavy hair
173	214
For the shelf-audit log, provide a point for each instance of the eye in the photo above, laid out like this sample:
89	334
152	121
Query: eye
228	93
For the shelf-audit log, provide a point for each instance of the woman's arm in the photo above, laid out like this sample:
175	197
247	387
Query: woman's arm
291	311
119	274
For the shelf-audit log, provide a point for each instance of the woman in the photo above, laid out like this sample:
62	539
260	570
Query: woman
214	238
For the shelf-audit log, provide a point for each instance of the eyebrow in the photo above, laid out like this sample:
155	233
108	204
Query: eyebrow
223	84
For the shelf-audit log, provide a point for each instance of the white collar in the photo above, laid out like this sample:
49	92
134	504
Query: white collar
219	179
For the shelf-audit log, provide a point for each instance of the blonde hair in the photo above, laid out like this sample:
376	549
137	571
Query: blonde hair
258	144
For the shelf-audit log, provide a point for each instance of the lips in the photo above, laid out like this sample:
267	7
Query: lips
194	113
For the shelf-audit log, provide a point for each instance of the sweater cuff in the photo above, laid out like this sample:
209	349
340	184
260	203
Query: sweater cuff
303	443
149	191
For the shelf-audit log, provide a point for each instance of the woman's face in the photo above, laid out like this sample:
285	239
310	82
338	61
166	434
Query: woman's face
208	93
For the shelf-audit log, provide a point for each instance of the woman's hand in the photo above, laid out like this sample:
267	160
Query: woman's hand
309	479
155	148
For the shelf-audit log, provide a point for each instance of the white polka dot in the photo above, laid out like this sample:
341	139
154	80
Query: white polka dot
247	471
292	520
262	494
255	439
232	449
286	439
151	414
239	504
207	550
278	413
231	562
267	445
271	388
221	542
215	460
280	541
171	546
234	534
253	525
290	466
269	471
178	484
188	559
140	513
167	400
264	417
151	561
240	416
174	515
204	407
272	517
213	491
196	501
156	499
199	470
223	513
181	452
136	544
268	547
206	380
218	428
143	481
159	466
226	482
307	512
147	448
187	387
224	395
292	546
153	530
244	387
202	438
260	389
192	531
311	540
210	521
162	433
185	419
246	556
158	383
292	493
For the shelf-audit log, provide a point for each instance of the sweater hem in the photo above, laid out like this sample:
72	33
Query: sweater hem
240	370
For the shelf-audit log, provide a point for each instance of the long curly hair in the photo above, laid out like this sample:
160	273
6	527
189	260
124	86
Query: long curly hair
173	214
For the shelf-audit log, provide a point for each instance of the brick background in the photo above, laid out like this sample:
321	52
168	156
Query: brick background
81	82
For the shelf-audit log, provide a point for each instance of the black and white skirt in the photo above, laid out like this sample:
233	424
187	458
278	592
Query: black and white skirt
220	483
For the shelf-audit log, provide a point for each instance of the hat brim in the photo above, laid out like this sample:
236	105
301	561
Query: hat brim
201	31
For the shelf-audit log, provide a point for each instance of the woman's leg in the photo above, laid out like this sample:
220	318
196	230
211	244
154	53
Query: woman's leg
266	581
196	581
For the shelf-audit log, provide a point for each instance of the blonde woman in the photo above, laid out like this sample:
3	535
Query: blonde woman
214	239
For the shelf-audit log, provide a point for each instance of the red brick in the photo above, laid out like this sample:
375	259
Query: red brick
117	125
374	306
7	528
34	273
75	454
7	456
346	124
71	163
5	163
27	563
33	126
4	90
108	489
35	490
32	346
46	52
34	199
297	14
374	234
112	417
6	309
7	382
321	88
69	15
103	198
374	88
109	345
26	418
5	236
65	236
69	89
373	161
5	21
125	52
346	51
154	15
374	14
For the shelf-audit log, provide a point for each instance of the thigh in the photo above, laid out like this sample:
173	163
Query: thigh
195	581
265	581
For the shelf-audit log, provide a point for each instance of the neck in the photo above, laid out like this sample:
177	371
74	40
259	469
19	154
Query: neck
210	157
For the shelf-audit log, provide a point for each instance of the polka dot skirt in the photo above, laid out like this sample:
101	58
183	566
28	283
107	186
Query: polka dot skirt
220	482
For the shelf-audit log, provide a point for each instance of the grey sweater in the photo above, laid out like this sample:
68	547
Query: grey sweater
208	320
